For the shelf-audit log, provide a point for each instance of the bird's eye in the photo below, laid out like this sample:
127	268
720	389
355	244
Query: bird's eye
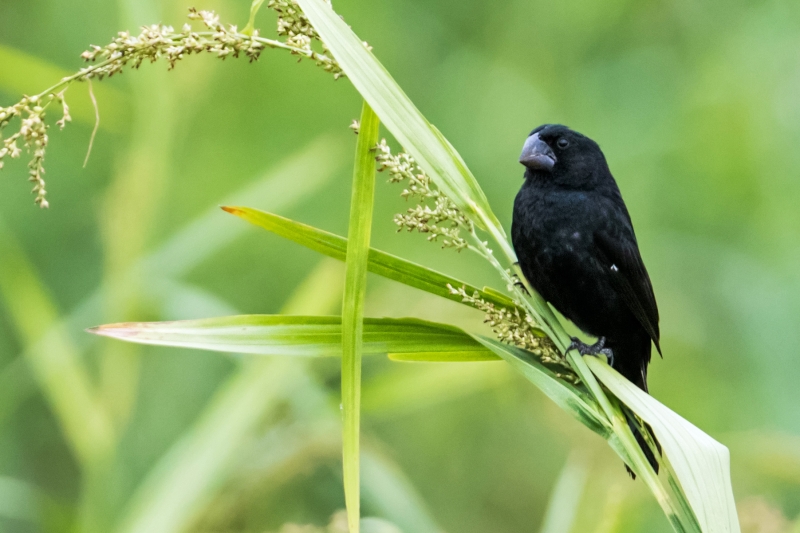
562	143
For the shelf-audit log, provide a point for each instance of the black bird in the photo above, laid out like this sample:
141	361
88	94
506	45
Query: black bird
575	244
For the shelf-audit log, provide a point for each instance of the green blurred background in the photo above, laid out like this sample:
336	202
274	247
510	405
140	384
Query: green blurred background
697	107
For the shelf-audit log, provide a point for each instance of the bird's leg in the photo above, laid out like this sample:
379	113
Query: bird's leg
592	349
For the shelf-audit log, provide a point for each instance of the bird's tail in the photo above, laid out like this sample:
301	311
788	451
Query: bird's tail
642	442
635	370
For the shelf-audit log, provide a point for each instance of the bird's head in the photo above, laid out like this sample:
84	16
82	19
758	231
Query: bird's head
556	154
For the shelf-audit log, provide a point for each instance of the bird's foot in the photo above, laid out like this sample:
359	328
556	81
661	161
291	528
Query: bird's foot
592	349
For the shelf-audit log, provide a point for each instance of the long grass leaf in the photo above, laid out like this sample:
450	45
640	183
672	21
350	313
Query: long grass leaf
355	288
701	464
423	141
301	336
381	263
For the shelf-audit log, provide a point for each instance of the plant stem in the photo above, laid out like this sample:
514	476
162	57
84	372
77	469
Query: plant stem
358	236
272	43
251	23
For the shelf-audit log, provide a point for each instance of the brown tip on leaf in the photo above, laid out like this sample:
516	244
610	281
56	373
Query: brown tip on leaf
114	330
231	210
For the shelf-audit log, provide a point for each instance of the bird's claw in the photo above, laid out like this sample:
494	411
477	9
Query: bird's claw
522	286
518	283
592	349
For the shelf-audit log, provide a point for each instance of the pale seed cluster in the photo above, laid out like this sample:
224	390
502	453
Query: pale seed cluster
295	26
159	41
512	326
436	215
33	136
151	44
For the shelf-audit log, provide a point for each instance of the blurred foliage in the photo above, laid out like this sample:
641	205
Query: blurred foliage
696	107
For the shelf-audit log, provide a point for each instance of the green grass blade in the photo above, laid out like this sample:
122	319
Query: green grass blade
701	464
355	288
314	336
381	263
567	396
423	141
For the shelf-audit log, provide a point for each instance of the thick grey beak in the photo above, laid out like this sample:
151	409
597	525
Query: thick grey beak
537	155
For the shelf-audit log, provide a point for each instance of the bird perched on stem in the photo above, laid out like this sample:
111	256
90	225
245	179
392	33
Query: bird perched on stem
576	246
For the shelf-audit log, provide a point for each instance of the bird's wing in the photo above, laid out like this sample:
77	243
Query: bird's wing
629	276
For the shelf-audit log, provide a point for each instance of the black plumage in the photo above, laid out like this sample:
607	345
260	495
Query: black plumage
575	243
